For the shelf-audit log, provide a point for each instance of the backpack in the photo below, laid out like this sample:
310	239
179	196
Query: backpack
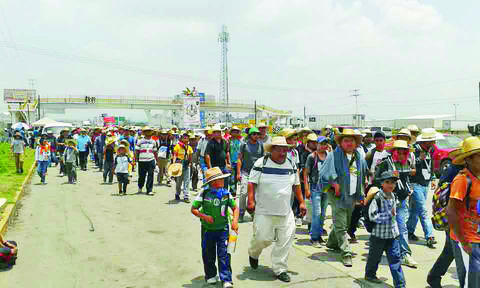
265	159
369	224
7	260
440	201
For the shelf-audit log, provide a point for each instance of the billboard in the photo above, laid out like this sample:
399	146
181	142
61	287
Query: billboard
191	111
19	95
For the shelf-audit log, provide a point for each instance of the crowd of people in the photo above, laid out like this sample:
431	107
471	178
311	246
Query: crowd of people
365	178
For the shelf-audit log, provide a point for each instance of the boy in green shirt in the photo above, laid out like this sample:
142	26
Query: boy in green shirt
211	206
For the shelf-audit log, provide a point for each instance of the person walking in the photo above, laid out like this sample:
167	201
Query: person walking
99	148
463	213
346	171
70	156
399	164
234	144
18	147
217	153
61	146
146	153
310	146
421	181
315	189
108	159
250	152
271	183
446	257
195	166
164	151
182	153
263	137
122	161
83	141
384	236
42	158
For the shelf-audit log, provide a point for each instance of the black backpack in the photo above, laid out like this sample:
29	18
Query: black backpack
369	225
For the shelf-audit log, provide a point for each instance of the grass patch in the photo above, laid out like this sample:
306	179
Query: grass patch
10	181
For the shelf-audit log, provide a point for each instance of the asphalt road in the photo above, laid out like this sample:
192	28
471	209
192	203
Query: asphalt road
85	235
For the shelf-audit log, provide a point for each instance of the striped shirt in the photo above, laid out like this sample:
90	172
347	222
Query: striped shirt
274	186
146	149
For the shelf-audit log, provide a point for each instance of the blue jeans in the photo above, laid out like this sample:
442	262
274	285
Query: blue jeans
418	209
42	169
319	206
375	252
214	243
402	215
473	264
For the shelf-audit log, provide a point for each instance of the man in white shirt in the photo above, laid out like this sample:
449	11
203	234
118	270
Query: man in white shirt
272	181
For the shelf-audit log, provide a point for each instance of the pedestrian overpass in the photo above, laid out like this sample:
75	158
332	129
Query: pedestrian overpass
147	104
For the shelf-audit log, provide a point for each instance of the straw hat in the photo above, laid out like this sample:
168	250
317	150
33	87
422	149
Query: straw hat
328	127
366	131
348	133
235	128
455	152
121	146
312	137
404	132
413	128
110	140
262	125
175	170
471	145
216	127
428	134
287	132
306	129
146	128
124	143
214	174
65	130
276	141
400	144
73	141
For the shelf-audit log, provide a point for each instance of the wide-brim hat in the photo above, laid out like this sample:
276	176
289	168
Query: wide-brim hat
347	132
366	132
400	144
110	140
429	134
312	137
276	141
68	141
65	130
147	128
471	145
404	132
306	129
122	147
262	125
286	132
235	128
413	128
216	127
175	170
125	143
214	174
389	174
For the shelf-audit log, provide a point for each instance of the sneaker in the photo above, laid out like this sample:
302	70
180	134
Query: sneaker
177	197
283	277
412	236
139	190
298	221
212	281
227	284
253	262
347	261
353	238
373	279
315	243
430	242
324	233
149	193
408	261
186	200
321	241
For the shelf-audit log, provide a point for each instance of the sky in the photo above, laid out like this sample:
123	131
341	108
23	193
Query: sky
406	57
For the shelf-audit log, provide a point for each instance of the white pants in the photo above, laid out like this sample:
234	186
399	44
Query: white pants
243	193
268	229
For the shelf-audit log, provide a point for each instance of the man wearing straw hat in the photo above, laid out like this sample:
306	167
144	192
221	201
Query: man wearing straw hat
264	138
421	182
164	151
272	181
463	212
182	153
83	142
234	145
146	153
345	170
217	153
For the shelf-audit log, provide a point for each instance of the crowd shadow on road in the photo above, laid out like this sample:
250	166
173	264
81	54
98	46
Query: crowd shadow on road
199	282
262	273
361	283
330	256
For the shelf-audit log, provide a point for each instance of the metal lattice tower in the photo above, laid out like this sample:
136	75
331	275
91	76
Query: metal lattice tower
223	38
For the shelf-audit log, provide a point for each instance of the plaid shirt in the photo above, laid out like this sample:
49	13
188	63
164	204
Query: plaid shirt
386	224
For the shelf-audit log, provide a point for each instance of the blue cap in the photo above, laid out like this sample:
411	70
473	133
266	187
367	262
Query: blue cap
322	139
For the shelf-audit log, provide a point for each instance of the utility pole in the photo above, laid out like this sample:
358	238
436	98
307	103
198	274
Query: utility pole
356	94
224	38
455	105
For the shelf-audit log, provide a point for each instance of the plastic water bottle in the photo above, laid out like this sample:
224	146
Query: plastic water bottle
232	242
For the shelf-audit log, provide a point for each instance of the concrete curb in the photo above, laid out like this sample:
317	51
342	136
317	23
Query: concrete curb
12	207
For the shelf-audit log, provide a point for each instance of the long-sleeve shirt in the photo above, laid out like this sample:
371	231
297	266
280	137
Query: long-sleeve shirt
423	166
70	155
386	226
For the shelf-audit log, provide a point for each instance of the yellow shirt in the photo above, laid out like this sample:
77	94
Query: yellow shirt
180	151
